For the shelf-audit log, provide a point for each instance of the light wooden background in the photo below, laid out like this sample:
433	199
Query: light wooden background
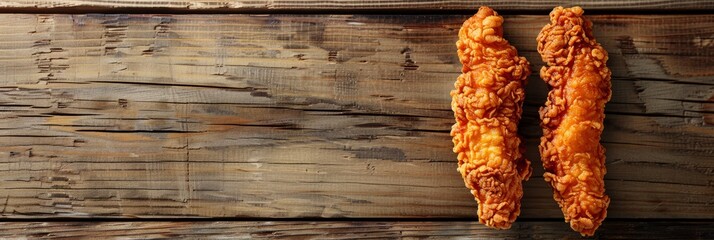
340	121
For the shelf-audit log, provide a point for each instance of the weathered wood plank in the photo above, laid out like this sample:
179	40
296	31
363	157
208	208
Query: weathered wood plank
317	116
351	5
348	230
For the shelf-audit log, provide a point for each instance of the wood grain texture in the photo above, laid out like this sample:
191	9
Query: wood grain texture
317	116
352	5
347	230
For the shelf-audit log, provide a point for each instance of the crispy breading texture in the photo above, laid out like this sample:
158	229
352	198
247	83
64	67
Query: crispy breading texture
572	118
487	105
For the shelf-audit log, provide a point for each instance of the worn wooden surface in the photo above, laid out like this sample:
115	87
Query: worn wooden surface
317	116
349	230
349	5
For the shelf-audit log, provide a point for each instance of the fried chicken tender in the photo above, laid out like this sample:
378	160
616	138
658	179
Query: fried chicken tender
572	118
487	105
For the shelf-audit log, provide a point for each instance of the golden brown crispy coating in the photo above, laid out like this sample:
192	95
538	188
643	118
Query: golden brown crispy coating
487	106
572	118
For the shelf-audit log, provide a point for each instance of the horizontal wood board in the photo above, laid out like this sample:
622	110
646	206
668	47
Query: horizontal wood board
347	230
349	5
318	116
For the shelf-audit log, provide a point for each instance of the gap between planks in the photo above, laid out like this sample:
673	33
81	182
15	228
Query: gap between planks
348	6
352	230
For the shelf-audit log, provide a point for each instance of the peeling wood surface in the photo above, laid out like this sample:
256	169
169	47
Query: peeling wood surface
348	230
317	116
352	5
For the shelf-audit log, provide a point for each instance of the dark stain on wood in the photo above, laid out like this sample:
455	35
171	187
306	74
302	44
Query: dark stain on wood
380	153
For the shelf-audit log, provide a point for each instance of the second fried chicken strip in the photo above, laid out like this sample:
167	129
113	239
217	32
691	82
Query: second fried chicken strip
487	107
572	119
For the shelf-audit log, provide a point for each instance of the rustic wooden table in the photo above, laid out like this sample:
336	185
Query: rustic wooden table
253	119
